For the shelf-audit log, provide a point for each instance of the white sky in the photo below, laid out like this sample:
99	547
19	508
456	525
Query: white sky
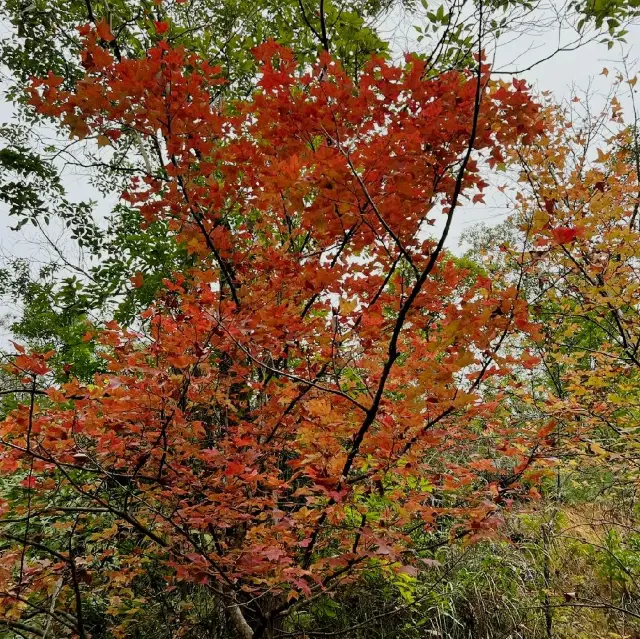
567	74
547	44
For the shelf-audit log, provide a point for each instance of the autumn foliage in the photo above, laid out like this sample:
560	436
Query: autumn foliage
578	208
309	394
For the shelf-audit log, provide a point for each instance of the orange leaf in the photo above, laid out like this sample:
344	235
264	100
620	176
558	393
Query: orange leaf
18	347
180	361
161	27
564	234
137	280
104	30
547	429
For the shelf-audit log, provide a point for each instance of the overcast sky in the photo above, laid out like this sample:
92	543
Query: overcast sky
551	56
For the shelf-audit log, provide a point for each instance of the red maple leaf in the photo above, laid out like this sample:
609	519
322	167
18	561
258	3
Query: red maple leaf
564	234
104	30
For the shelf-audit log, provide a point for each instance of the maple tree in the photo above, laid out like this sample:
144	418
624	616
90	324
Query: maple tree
88	275
579	208
574	237
92	256
300	400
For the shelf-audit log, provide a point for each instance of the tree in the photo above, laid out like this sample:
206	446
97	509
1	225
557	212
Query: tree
42	37
223	32
575	236
91	275
301	398
580	214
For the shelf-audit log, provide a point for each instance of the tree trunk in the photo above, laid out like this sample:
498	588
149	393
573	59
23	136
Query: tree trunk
240	623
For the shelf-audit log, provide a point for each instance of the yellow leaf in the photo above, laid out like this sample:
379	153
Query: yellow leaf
319	407
540	220
465	359
347	306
